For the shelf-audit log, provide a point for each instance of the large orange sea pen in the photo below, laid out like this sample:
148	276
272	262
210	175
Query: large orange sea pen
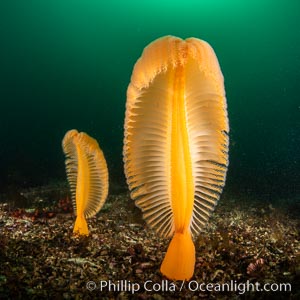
176	143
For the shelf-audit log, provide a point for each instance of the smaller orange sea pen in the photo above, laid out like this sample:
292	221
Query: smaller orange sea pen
87	175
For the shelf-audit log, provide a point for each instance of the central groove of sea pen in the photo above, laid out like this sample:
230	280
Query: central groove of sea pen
82	181
182	185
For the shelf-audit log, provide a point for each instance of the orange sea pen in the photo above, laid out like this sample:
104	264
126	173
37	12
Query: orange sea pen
176	143
87	175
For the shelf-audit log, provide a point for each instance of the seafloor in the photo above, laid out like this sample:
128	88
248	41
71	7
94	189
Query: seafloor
249	243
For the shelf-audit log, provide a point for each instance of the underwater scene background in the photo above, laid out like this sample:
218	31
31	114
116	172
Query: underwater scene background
67	64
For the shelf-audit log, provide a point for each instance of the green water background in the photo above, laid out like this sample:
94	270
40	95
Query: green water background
67	64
